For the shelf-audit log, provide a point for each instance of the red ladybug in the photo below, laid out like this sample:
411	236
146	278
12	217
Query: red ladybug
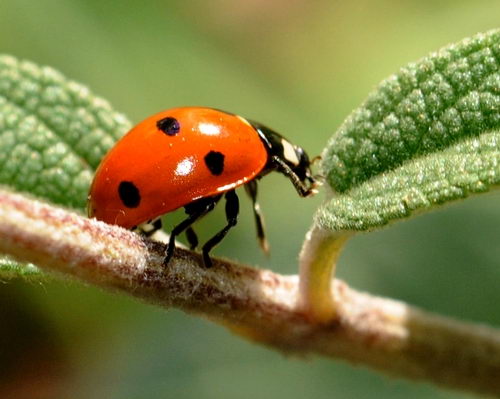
190	157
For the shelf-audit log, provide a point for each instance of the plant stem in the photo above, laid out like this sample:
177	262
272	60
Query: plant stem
383	334
318	260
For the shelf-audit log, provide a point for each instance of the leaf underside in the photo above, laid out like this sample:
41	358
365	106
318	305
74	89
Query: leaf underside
428	135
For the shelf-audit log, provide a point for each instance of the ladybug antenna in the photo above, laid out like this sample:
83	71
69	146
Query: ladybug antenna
315	160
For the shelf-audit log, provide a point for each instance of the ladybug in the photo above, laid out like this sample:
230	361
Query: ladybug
191	157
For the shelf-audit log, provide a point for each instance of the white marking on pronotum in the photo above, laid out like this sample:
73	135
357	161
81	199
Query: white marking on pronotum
289	152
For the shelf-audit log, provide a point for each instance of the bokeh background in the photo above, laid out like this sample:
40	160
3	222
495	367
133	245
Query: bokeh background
300	67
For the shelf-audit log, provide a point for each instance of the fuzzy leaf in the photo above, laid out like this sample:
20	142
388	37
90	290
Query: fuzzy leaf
53	134
428	135
11	269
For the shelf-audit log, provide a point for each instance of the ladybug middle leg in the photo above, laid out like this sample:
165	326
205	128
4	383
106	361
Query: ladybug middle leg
251	189
232	210
195	211
192	238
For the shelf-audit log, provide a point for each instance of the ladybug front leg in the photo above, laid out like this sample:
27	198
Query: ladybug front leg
232	210
251	189
195	211
300	186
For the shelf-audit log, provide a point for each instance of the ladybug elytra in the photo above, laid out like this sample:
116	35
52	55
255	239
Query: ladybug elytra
191	157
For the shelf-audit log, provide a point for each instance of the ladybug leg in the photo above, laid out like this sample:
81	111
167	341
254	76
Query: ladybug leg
195	211
192	238
232	210
148	228
299	185
251	189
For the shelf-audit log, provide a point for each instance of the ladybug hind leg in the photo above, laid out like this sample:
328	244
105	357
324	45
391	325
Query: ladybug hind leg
251	189
232	210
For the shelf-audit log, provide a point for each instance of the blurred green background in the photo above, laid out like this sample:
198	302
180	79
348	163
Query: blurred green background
300	67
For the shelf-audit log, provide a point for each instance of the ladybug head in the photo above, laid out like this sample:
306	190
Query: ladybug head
303	168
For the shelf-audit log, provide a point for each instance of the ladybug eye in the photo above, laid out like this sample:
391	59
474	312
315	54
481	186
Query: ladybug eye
170	126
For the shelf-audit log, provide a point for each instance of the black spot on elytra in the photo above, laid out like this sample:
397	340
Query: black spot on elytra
215	162
170	126
129	194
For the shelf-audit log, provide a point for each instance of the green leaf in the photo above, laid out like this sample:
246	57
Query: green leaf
428	135
53	134
11	269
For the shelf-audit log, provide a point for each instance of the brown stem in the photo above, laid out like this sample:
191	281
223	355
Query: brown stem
380	333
